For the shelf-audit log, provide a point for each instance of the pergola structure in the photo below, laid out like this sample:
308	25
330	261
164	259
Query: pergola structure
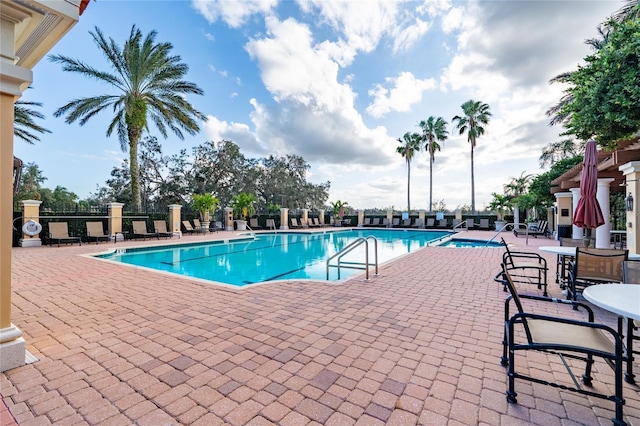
618	171
28	31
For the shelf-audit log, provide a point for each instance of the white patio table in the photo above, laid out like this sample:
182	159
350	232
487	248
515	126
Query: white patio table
624	301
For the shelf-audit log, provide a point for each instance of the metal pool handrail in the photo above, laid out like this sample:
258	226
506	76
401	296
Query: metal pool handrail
355	265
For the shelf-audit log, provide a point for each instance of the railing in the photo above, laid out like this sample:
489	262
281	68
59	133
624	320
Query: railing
355	265
460	225
513	225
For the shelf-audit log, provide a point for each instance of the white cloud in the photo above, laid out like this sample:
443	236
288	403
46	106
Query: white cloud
217	130
233	13
406	91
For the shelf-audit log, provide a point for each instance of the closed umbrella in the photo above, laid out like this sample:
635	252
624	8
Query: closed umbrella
588	213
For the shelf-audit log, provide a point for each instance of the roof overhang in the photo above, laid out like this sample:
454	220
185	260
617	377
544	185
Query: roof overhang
38	26
608	167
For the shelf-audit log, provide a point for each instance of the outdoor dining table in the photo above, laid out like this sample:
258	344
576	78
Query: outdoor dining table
567	253
624	301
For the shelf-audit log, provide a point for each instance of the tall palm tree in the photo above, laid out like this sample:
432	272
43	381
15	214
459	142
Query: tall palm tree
476	116
434	130
410	144
150	86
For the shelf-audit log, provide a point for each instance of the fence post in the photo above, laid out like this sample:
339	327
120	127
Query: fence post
30	211
115	220
228	218
174	219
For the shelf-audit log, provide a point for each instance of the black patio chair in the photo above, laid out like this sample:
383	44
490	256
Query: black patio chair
570	339
526	267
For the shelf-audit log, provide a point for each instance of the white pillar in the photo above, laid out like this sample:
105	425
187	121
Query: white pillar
321	216
577	232
631	172
360	218
603	232
516	216
305	218
284	218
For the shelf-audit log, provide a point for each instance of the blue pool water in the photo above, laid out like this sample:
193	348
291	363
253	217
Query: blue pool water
273	256
467	243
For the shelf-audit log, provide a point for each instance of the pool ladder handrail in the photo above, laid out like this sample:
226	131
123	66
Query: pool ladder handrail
252	233
355	265
513	225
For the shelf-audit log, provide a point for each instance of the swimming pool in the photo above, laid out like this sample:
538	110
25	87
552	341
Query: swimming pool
273	256
469	243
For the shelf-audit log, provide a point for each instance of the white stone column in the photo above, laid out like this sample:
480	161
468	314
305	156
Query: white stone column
321	216
603	232
389	218
360	218
305	218
577	232
631	172
284	218
516	217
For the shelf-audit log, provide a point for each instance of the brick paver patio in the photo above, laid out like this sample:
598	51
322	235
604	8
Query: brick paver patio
420	344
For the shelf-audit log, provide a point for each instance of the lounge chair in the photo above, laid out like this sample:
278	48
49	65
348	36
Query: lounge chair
95	232
539	229
442	223
217	226
271	224
571	339
198	226
406	223
484	224
386	223
188	228
395	222
376	222
59	232
295	224
470	224
418	224
366	221
253	223
456	223
431	222
140	230
160	226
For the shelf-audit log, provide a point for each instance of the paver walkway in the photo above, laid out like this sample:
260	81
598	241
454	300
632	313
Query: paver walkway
418	345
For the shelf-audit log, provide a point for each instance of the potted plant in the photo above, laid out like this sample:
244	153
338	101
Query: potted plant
204	204
501	204
243	208
338	210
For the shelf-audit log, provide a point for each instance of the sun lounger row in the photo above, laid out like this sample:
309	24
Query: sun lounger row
59	232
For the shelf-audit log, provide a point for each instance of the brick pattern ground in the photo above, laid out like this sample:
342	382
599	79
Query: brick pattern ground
419	344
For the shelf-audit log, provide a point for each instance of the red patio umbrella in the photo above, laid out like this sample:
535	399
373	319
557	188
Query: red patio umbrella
588	213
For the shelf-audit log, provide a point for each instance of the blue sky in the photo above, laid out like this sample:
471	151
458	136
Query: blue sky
337	82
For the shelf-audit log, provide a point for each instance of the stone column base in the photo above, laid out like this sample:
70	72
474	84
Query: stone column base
29	242
284	227
12	348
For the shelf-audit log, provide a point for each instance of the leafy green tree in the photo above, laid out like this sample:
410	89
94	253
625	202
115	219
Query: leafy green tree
31	182
539	191
476	116
150	84
338	206
409	145
518	186
434	130
605	91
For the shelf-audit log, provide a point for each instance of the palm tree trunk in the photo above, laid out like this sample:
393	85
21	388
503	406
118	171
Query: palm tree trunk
134	168
473	186
408	187
431	185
